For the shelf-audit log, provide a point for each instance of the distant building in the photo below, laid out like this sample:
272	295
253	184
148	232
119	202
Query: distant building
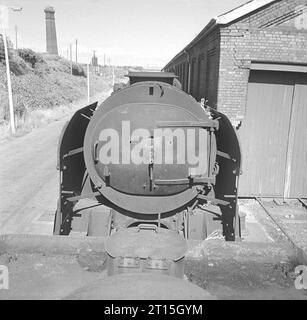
94	60
94	64
51	39
251	64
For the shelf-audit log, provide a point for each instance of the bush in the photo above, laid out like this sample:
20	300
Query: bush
77	70
40	83
18	66
30	56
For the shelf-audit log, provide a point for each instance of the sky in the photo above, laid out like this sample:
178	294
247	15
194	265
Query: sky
147	33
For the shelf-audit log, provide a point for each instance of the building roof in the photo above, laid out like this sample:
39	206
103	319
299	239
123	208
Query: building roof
226	18
150	74
241	11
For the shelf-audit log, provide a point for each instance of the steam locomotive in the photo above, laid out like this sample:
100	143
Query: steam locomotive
149	169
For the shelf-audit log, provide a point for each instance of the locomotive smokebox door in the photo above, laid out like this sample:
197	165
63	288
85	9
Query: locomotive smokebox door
146	248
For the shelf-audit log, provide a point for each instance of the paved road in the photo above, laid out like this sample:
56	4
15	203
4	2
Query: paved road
29	181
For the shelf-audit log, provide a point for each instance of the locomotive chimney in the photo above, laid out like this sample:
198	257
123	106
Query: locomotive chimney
51	40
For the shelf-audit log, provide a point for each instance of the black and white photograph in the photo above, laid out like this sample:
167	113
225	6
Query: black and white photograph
153	150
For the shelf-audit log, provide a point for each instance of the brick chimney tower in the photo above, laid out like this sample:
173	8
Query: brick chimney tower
51	40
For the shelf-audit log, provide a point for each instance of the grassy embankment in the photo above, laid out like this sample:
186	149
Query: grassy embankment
43	90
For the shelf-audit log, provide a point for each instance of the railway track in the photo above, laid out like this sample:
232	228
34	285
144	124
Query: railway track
293	226
303	202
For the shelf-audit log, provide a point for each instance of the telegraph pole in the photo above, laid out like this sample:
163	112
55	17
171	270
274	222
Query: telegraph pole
16	36
109	60
76	50
113	76
88	83
4	17
70	58
9	85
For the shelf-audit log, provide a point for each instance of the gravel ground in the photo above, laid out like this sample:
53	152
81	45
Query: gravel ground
224	270
246	271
